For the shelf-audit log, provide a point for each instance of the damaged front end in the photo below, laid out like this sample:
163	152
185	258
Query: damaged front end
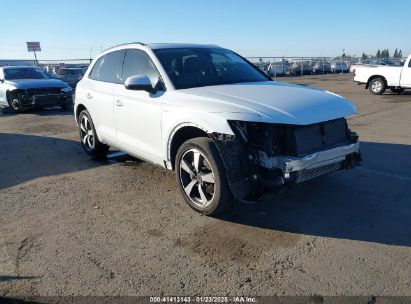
263	157
21	99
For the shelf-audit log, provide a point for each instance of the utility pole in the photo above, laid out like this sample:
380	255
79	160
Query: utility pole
342	71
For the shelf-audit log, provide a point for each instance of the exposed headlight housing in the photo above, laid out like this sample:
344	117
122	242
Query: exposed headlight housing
66	90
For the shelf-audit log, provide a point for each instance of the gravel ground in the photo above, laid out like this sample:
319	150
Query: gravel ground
70	225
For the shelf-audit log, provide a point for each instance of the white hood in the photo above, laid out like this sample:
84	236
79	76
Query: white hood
273	101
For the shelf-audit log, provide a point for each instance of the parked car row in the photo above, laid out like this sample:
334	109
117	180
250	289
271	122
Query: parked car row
376	62
226	129
302	67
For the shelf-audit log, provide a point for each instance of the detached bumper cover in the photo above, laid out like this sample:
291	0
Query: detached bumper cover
300	169
315	160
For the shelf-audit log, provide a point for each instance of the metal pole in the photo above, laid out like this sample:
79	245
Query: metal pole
35	57
302	66
275	72
323	66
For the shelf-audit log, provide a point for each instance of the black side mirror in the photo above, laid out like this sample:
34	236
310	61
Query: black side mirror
139	83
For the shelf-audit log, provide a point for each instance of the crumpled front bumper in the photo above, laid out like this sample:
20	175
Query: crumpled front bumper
45	99
299	169
317	159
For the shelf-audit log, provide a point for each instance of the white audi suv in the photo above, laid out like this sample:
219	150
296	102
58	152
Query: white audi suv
229	132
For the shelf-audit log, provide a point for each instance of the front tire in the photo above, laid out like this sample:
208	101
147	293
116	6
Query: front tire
377	86
88	136
14	104
201	176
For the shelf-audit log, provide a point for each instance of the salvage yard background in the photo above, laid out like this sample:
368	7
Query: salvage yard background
71	225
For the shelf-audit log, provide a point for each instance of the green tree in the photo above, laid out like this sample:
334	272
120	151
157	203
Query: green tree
378	54
396	53
400	54
363	57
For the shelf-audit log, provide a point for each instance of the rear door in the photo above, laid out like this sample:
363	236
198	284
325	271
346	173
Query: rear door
406	75
98	91
138	113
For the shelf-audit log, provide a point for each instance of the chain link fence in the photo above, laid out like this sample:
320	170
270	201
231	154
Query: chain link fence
272	66
299	66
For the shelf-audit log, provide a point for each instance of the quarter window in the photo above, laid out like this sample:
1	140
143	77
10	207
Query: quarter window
137	62
108	67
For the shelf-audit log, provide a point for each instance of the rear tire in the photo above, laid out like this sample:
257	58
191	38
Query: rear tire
397	91
202	177
88	136
377	86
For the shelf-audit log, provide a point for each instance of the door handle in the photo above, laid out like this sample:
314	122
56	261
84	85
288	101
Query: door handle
119	103
89	96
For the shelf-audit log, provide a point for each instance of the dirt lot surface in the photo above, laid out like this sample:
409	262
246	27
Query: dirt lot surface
71	225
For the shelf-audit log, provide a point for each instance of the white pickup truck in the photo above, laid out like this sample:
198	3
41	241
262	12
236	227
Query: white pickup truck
379	78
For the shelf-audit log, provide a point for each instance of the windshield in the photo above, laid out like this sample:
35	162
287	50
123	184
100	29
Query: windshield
25	73
197	67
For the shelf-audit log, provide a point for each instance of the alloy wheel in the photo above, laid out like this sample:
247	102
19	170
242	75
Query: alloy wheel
197	178
86	133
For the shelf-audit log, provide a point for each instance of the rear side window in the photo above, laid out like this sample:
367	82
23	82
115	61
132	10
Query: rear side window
108	68
137	62
409	64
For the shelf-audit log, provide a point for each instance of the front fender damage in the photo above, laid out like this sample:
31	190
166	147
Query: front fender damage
264	157
237	163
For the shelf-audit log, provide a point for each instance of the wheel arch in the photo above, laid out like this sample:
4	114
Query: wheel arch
373	77
179	135
79	108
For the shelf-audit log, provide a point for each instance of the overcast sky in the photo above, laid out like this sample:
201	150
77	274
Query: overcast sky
70	29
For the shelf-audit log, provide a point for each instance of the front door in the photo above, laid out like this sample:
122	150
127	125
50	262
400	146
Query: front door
138	113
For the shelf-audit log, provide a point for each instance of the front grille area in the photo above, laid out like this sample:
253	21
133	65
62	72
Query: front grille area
43	91
304	140
304	175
